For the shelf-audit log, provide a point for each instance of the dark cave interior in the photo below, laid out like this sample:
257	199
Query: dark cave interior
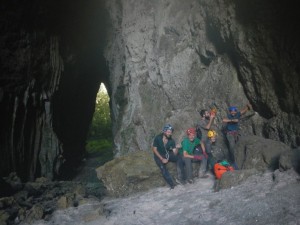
28	29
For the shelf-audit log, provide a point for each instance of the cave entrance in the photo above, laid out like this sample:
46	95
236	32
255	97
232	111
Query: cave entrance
100	139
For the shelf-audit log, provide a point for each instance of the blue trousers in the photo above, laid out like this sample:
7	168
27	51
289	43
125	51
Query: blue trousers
231	138
165	172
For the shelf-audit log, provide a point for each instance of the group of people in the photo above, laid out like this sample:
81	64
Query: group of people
196	147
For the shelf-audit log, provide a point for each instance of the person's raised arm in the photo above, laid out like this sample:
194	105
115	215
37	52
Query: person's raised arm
246	108
211	119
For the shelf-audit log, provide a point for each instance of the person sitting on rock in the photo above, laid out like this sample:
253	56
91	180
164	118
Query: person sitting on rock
231	130
210	145
188	145
165	151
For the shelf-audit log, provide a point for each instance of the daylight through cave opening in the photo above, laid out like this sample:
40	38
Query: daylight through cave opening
99	139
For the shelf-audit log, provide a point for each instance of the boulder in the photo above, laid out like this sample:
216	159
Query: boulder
259	153
132	173
234	178
290	159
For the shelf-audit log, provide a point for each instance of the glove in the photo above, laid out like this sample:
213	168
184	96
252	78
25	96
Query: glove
205	154
197	157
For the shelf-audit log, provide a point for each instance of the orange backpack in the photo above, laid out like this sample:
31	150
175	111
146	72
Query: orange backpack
219	169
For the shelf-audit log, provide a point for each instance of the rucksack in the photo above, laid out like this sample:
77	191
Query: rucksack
222	167
198	132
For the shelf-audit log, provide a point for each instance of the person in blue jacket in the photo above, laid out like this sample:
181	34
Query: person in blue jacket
232	127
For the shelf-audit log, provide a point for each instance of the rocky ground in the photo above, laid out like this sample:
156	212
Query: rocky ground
24	203
267	199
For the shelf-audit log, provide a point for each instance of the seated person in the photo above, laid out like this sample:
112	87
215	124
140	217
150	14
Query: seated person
210	144
188	145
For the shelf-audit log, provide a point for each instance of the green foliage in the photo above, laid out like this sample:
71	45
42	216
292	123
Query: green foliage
102	147
94	146
99	140
101	124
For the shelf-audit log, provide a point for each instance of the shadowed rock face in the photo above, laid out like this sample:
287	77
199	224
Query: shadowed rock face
51	69
161	62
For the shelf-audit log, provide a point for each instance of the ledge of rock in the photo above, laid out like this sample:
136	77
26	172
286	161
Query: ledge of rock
260	153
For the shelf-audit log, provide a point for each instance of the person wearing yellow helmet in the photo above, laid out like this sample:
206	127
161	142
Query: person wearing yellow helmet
210	145
206	123
211	134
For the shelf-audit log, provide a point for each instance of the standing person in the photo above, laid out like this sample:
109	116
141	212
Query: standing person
165	151
206	122
231	129
188	145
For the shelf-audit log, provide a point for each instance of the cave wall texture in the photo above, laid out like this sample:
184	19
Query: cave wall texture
51	69
160	60
169	58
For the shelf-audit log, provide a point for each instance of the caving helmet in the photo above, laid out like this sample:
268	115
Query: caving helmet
191	130
168	127
232	108
211	133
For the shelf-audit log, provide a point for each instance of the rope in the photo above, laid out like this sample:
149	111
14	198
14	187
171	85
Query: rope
167	153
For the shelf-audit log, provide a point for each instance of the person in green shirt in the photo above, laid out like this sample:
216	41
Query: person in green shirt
188	145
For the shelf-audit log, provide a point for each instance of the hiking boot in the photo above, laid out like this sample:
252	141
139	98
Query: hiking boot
195	174
178	181
172	187
190	181
204	176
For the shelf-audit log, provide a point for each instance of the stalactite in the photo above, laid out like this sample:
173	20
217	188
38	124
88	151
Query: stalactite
12	147
32	146
57	65
50	148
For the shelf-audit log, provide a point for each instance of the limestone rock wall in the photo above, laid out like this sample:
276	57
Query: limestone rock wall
161	61
168	59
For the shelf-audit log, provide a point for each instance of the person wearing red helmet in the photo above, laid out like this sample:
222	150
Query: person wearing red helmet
232	127
189	144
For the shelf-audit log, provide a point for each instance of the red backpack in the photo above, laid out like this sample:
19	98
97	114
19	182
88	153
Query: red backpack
222	167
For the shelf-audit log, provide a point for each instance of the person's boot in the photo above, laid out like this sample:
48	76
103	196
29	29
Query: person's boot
190	181
204	175
179	181
234	165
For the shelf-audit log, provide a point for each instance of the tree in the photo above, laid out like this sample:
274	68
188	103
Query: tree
101	123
